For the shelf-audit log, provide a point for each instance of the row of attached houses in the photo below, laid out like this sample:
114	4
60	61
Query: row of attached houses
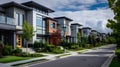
12	16
85	32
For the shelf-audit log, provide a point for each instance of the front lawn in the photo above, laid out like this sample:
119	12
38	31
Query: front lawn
8	59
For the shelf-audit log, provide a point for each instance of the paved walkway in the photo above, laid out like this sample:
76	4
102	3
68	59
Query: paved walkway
90	52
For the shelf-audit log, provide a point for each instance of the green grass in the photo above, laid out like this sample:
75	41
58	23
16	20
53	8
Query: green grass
8	59
118	50
115	63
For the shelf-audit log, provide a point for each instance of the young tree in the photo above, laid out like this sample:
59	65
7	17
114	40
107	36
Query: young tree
27	33
1	49
115	24
78	38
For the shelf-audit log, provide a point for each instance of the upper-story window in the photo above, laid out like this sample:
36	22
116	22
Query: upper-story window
40	23
41	11
85	31
52	25
19	19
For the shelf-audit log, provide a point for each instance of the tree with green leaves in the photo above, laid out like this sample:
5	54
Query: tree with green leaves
114	24
28	33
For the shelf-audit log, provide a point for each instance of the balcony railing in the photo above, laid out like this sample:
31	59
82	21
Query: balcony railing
7	20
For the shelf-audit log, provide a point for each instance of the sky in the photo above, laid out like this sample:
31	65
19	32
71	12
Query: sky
89	13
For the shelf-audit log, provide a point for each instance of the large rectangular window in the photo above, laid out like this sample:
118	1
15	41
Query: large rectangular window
40	24
19	19
39	21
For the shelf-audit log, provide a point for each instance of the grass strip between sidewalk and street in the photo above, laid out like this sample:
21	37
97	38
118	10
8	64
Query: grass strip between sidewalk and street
30	62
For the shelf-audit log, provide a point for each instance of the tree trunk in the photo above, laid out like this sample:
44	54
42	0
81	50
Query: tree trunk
27	47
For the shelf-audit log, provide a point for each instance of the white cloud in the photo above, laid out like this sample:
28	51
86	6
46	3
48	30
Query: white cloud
96	19
59	4
102	1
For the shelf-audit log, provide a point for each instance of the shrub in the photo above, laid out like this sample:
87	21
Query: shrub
35	55
57	50
117	52
17	51
1	49
24	54
7	50
87	45
111	40
75	47
38	44
49	48
37	49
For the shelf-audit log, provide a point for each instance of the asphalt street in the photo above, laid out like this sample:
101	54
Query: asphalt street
93	58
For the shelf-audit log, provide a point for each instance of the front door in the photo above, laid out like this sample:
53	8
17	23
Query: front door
19	40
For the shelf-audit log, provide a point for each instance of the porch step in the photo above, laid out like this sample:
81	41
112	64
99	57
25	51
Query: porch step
29	50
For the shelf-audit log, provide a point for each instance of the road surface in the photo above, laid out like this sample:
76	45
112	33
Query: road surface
93	58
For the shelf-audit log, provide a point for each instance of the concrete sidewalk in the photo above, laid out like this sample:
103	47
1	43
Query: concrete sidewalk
4	65
50	56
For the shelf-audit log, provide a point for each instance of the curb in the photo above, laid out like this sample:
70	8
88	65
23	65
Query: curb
108	61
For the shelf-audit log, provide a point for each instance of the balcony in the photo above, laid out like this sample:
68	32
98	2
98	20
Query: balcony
7	20
7	23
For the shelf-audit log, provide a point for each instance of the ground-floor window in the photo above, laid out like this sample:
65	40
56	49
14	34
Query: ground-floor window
6	37
42	39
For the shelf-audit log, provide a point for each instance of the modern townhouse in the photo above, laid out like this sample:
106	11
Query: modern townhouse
74	31
36	18
11	21
94	32
86	31
12	16
51	27
64	27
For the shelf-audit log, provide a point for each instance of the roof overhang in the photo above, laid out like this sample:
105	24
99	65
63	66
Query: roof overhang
76	24
86	28
63	18
14	4
50	19
34	4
